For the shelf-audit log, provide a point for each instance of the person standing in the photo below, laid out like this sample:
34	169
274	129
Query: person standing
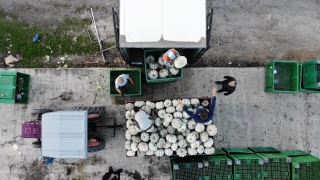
142	118
202	115
228	85
170	56
111	175
121	81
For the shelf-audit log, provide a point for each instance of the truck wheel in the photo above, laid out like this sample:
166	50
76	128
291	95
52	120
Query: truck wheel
101	110
100	147
36	144
40	111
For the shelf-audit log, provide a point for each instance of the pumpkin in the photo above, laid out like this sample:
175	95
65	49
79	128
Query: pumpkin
134	146
208	123
204	136
208	143
166	123
196	134
195	144
153	74
192	124
185	121
139	103
175	102
131	153
154	137
159	105
176	123
192	137
170	109
128	135
150	153
161	143
129	106
200	149
129	123
182	128
179	108
145	136
141	153
152	129
168	152
136	139
157	121
161	61
190	109
152	105
161	67
177	114
171	138
194	102
185	115
168	145
167	103
182	143
212	130
161	113
153	65
173	71
163	73
137	128
171	130
150	59
133	130
132	112
129	115
180	62
192	151
147	109
182	152
168	117
186	102
195	110
143	147
180	137
161	127
159	152
205	103
174	147
127	145
186	132
152	146
209	150
163	133
199	127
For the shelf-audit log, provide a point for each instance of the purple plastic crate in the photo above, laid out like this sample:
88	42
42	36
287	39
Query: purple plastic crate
31	129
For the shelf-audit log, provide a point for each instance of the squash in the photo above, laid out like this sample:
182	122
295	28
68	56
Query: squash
195	144
161	113
196	134
145	136
208	143
163	73
128	135
179	108
166	123
159	105
152	105
163	133
152	146
205	103
161	61
152	129
192	137
150	153
132	112
167	103
141	153
150	59
200	149
179	137
134	146
159	152
139	103
209	150
212	130
186	132
186	102
127	145
175	102
136	139
147	109
174	71
137	128
131	153
170	109
168	145
129	123
194	102
161	143
132	130
195	110
157	121
182	128
143	147
192	124
177	114
171	130
154	137
129	106
176	123
171	138
192	151
168	117
185	115
199	127
180	62
208	123
204	136
182	152
168	152
174	147
182	143
153	74
185	121
129	115
153	65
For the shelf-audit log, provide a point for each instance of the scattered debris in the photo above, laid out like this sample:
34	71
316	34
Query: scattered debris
98	87
65	58
48	58
11	59
35	38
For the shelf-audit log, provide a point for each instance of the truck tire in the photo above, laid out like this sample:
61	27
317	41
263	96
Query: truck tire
41	111
101	110
100	147
36	144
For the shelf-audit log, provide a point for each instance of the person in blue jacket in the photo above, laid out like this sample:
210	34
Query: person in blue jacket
202	115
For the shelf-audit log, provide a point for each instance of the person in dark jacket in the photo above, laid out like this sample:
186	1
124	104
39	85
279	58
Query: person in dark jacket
202	115
228	85
111	175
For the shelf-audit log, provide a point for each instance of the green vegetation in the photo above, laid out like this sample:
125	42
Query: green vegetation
70	37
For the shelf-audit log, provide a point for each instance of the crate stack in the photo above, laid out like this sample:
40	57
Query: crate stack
310	77
187	168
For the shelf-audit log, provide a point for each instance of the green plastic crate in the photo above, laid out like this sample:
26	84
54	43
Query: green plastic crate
157	53
301	86
247	166
264	150
311	74
216	167
237	151
135	74
219	152
292	153
305	168
276	166
14	87
286	79
186	168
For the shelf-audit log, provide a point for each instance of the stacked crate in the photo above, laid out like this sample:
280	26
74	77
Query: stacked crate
310	77
186	168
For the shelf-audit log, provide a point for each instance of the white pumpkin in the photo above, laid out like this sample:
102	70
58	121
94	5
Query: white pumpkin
166	123
173	71
157	121
208	143
182	128
150	153
129	106
161	113
195	110
170	109
139	103
163	73
154	137
136	139
185	115
182	143
194	102
153	74
180	137
129	115
171	138
153	65
161	127
186	102
196	134
192	151
176	123
200	149
205	103
152	129
177	114
168	145
174	147
168	117
167	103
159	152
180	62
152	105
175	102
161	61
127	145
185	121
137	128
153	146
212	130
147	109
131	153
134	146
129	123
190	109
133	130
186	132
163	133
209	150
192	124
145	136
192	137
204	136
179	108
128	135
143	147
182	152
141	153
168	152
159	105
150	59
208	123
199	127
171	130
132	112
161	143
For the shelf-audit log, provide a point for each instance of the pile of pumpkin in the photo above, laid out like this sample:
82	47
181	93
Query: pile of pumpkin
173	130
158	69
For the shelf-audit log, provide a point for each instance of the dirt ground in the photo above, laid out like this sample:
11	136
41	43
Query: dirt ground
244	33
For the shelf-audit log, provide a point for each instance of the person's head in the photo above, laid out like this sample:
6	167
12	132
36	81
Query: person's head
136	109
232	83
120	80
204	115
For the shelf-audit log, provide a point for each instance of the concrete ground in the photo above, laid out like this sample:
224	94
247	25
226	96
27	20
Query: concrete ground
248	117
